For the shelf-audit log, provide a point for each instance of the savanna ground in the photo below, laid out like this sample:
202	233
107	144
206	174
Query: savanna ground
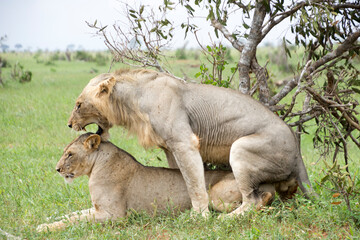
33	119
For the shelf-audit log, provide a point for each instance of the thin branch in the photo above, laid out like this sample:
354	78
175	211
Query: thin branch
305	119
327	66
355	140
326	102
342	48
346	5
234	42
298	90
272	22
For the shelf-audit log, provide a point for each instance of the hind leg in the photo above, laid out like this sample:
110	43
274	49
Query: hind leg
287	189
255	159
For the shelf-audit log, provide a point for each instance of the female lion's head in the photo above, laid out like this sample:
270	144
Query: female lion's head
76	160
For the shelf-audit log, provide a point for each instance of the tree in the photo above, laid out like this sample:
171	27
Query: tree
327	31
2	61
18	46
3	46
69	49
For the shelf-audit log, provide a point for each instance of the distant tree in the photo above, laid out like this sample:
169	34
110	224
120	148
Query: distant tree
18	46
69	49
4	47
1	66
2	39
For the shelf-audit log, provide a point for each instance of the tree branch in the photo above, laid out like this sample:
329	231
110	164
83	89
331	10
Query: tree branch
341	49
290	85
346	5
234	42
272	22
298	90
326	102
305	119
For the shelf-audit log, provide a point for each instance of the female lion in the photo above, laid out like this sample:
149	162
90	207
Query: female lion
117	183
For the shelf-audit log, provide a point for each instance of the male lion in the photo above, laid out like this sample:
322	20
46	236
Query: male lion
117	183
195	123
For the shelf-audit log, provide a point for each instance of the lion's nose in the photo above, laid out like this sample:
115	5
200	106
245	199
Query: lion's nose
58	169
70	125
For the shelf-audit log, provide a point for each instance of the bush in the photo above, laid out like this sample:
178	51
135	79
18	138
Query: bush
181	54
57	56
19	74
4	63
84	56
101	59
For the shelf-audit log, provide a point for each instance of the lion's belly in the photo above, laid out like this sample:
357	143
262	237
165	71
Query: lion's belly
215	154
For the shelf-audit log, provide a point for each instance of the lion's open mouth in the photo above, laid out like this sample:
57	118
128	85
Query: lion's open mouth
99	131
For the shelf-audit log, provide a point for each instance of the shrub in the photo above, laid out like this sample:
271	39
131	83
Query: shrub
19	74
181	54
101	59
84	56
4	63
57	56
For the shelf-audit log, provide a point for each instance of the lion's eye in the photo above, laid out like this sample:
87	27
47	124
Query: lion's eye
78	106
69	155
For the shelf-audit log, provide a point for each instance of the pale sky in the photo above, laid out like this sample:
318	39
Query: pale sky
54	24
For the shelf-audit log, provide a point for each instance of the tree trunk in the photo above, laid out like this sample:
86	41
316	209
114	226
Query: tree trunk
250	46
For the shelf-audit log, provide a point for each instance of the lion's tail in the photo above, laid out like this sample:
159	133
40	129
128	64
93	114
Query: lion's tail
303	179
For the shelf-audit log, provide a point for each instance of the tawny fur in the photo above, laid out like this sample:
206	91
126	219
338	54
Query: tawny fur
118	183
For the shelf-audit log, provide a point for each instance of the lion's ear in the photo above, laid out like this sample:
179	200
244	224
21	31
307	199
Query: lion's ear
92	142
106	87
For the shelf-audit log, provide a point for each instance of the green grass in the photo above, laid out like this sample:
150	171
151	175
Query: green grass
33	118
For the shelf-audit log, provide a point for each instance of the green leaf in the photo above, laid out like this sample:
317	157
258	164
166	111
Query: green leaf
356	90
141	9
216	32
190	9
324	179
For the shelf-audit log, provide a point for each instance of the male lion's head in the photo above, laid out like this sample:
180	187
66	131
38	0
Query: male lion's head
75	160
92	105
